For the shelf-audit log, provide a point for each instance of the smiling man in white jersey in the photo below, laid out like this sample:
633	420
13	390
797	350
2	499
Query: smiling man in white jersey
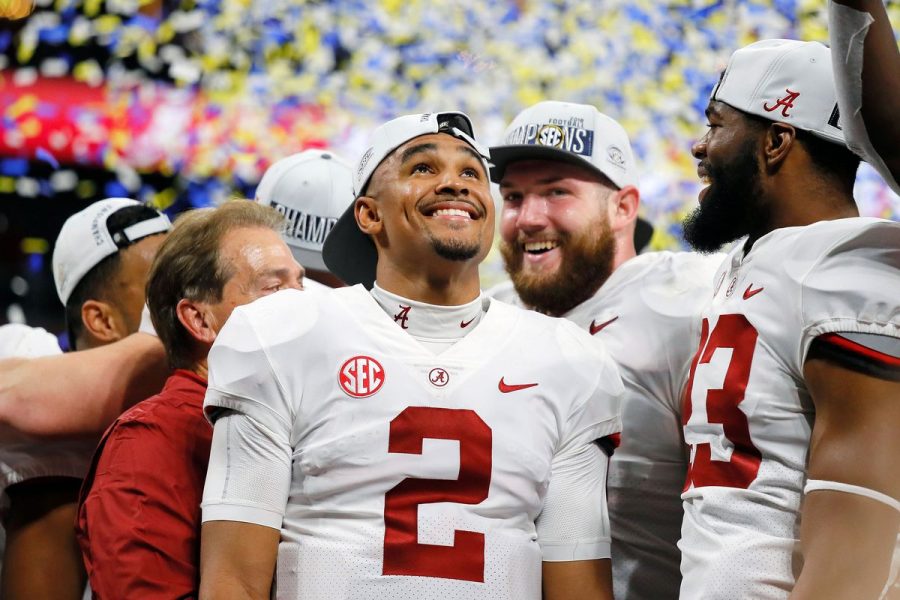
417	440
568	179
793	401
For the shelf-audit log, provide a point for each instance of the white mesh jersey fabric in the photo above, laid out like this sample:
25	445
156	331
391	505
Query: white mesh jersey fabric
748	412
426	481
647	315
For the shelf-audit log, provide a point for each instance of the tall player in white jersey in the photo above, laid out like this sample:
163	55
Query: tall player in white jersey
568	179
415	441
793	402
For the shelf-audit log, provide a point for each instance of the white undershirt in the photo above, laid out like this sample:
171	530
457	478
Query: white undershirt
435	327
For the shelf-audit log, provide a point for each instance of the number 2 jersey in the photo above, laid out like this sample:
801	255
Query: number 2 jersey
396	473
747	412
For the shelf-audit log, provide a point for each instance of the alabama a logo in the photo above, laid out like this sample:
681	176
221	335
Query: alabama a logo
785	103
361	376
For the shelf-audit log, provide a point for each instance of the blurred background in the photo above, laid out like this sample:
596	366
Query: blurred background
185	103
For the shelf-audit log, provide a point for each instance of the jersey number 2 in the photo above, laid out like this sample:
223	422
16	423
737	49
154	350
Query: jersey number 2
736	332
403	554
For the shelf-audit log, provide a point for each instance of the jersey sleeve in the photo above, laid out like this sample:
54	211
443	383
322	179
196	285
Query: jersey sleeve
574	523
242	377
596	413
847	28
249	474
850	299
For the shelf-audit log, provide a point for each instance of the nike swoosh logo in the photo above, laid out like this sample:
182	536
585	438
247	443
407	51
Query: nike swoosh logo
749	293
595	329
506	388
465	324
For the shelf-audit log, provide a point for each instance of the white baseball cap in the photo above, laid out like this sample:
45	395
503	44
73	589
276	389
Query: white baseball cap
85	240
348	252
578	134
787	81
311	189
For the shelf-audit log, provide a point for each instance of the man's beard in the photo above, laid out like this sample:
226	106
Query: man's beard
586	263
732	207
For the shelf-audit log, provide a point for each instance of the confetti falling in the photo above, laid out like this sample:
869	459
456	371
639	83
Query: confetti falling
210	92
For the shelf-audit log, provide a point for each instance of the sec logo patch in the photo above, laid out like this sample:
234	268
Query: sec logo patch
361	376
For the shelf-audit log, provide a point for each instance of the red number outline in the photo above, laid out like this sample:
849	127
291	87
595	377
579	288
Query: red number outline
736	332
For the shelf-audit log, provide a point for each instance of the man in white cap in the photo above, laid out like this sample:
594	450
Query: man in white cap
100	264
793	398
311	189
417	440
568	180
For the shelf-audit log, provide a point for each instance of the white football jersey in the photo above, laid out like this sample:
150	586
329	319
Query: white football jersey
410	474
23	457
648	315
748	415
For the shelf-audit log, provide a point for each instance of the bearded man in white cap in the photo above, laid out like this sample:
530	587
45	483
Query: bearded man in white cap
793	399
417	440
568	179
100	264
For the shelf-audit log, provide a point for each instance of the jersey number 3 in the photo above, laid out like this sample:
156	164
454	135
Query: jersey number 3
403	554
736	332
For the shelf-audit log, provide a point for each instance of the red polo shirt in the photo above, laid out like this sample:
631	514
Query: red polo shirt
139	515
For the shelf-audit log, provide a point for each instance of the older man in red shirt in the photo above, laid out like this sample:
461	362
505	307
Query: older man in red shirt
139	515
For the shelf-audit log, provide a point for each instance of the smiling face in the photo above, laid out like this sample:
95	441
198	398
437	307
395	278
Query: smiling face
557	241
429	198
731	206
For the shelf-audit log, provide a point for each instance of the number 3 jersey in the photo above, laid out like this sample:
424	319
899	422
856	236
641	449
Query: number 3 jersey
396	473
747	412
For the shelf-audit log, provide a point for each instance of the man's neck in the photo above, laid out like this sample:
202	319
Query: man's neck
439	288
201	368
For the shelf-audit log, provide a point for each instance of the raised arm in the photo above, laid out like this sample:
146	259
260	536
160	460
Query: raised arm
880	97
847	535
80	392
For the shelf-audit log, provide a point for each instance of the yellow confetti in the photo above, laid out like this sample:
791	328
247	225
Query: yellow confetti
85	188
30	127
35	245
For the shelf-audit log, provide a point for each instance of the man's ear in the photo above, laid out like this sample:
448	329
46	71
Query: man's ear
102	321
780	139
623	208
197	320
368	217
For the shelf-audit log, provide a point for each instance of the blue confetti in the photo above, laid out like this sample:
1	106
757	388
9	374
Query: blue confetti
45	155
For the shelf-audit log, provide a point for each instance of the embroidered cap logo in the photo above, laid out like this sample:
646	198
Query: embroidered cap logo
785	103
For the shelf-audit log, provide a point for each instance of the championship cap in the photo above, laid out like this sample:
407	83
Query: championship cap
85	239
348	252
311	189
573	133
787	81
